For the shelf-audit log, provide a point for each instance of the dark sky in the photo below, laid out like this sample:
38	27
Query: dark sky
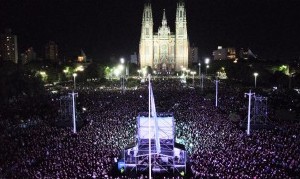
105	27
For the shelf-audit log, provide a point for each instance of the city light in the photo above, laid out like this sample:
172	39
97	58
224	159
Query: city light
193	73
121	68
122	60
79	68
43	75
74	75
117	72
65	71
255	76
207	61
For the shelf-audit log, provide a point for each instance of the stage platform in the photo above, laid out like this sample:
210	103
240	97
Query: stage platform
166	155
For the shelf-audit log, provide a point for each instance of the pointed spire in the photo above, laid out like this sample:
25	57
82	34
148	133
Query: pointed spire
147	14
181	2
164	20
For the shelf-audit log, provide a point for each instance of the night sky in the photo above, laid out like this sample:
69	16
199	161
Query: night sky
270	28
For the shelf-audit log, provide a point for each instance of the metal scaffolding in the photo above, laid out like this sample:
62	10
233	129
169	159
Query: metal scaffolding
66	108
258	113
260	110
171	156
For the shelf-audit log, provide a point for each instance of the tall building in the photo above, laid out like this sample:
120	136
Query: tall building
28	56
51	52
164	51
24	58
134	58
8	47
31	54
224	53
194	58
233	54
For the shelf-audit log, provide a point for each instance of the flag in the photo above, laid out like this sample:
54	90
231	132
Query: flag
154	117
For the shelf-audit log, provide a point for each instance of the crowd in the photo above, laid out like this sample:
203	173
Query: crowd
217	147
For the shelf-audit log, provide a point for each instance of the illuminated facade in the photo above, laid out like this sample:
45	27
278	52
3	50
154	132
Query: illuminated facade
28	56
164	51
224	54
233	54
8	47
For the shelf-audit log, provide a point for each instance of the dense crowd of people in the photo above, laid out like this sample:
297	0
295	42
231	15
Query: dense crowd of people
217	147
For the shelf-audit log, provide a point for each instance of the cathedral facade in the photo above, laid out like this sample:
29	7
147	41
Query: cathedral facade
164	51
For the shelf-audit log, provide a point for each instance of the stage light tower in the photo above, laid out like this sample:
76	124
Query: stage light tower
193	73
207	60
249	110
255	76
74	77
122	60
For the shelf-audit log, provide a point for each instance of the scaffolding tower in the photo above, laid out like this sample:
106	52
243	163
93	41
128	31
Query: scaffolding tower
259	113
260	110
65	110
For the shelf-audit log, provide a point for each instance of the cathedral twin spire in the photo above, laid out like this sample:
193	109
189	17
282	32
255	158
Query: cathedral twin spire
164	50
147	14
180	13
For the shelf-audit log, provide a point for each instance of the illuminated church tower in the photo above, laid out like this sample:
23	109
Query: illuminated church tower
182	42
146	43
164	51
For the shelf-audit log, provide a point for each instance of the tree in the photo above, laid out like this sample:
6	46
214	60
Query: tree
15	81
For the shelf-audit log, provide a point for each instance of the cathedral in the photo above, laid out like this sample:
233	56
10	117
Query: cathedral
164	51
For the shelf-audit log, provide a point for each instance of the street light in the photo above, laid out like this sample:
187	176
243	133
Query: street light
199	64
255	76
74	75
122	60
217	81
207	66
187	72
206	61
193	73
122	73
200	76
291	75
